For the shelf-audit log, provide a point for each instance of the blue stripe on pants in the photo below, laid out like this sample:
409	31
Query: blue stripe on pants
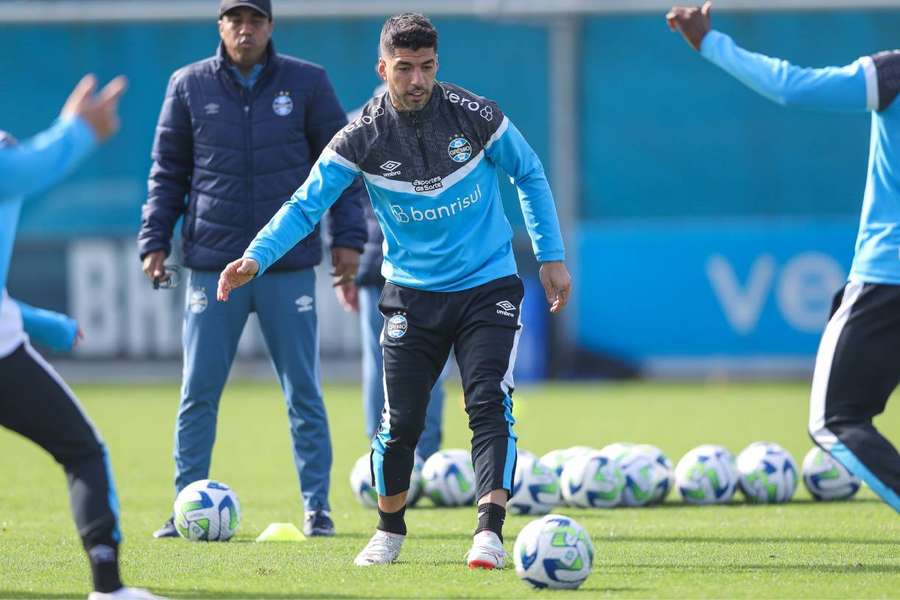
112	496
379	443
510	463
844	456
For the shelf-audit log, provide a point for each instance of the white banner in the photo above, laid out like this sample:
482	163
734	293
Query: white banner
123	316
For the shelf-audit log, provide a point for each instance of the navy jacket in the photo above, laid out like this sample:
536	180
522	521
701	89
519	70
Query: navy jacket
227	159
370	262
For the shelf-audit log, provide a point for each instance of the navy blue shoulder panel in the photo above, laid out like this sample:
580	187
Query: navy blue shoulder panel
887	65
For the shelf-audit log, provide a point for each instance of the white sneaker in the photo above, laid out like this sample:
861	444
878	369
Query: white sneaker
382	549
125	593
486	552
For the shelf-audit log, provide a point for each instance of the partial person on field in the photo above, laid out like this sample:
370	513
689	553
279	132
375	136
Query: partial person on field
362	297
429	154
856	365
34	400
235	133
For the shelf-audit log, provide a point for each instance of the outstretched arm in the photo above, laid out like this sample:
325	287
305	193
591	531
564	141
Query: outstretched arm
508	148
850	88
45	159
330	176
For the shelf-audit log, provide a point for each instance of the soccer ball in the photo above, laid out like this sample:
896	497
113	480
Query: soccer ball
365	492
826	478
361	482
640	473
416	486
592	480
553	552
663	476
576	451
706	475
449	478
617	451
555	460
207	511
536	488
768	473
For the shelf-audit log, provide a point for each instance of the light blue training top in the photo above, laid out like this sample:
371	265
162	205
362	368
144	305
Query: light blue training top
432	178
867	84
27	169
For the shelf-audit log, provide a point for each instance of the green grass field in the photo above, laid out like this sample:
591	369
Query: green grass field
803	549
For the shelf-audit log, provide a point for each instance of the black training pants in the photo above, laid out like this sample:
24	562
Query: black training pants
36	403
857	369
483	325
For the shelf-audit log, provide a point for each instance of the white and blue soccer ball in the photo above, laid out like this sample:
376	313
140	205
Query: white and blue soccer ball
663	474
416	485
536	487
706	475
768	473
449	478
361	482
553	552
826	478
592	480
555	460
576	451
207	511
639	473
617	450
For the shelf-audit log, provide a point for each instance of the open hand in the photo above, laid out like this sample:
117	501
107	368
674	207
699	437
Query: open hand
557	284
693	22
101	112
235	274
348	296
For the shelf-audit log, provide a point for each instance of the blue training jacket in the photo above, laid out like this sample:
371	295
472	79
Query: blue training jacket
432	177
226	158
27	169
870	83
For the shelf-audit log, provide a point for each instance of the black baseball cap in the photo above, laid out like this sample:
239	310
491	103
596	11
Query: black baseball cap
262	6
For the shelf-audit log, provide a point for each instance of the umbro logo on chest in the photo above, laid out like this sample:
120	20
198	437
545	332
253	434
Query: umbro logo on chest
389	168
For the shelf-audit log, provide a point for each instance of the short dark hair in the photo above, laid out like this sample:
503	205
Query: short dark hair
409	30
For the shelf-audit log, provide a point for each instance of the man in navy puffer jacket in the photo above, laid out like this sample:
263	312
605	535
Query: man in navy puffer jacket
237	133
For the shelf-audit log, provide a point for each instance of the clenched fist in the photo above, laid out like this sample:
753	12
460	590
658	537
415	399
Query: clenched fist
693	22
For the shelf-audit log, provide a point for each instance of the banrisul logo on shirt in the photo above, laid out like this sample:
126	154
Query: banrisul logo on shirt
407	214
460	150
282	105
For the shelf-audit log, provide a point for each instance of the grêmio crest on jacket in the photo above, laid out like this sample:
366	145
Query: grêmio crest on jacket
421	149
283	104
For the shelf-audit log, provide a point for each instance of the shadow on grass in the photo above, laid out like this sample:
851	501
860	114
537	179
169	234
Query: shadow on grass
340	536
264	595
745	540
745	568
29	595
738	502
825	503
430	507
188	594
